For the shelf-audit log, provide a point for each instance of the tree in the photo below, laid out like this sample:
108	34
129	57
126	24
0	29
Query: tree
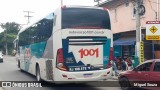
7	37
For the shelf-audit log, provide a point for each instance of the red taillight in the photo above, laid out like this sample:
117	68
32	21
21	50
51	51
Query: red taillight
111	57
60	60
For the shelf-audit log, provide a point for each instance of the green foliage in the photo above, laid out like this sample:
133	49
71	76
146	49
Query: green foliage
8	35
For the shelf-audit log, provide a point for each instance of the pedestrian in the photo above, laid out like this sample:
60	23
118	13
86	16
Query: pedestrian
126	63
114	66
123	64
14	52
129	63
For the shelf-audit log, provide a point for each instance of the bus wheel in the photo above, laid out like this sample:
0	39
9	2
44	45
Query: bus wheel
38	76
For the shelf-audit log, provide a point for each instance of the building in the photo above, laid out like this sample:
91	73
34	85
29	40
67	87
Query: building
124	26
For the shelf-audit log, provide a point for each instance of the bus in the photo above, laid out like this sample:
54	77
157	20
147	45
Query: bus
75	43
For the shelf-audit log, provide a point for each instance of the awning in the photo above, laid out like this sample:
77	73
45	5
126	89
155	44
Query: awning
125	41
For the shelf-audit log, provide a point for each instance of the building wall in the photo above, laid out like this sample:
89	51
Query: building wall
122	18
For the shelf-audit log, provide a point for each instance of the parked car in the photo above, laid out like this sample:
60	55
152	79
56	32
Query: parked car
145	73
1	57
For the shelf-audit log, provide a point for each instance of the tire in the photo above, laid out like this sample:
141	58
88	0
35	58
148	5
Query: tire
19	66
124	83
1	61
38	75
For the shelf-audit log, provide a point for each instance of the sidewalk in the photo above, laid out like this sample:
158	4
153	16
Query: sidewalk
1	88
119	71
115	77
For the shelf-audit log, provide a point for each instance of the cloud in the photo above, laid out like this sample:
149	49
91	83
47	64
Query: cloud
12	10
1	29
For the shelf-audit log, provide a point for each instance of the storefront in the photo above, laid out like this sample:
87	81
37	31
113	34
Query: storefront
124	47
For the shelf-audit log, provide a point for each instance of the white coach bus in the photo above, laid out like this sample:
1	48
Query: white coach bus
71	44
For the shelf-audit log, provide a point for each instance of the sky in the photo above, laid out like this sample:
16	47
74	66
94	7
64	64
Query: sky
13	10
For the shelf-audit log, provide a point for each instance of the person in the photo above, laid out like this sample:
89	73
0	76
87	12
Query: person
14	52
129	63
123	64
114	66
126	63
118	63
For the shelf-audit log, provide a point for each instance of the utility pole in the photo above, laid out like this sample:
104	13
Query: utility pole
28	15
97	1
157	19
138	24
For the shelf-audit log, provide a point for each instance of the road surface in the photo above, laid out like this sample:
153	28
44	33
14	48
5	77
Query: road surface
10	72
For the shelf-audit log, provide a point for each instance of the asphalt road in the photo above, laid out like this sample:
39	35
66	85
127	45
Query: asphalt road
10	72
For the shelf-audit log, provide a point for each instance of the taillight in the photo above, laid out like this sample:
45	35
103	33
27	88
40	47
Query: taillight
111	57
60	60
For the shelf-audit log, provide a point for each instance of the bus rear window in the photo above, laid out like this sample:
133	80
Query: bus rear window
85	18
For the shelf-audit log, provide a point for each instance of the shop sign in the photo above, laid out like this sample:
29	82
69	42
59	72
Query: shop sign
141	52
153	30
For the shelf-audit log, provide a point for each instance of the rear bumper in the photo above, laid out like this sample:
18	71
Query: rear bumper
64	76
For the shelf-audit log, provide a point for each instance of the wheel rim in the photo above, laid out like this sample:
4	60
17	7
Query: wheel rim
124	84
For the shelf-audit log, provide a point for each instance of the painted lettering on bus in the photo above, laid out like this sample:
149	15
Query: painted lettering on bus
86	52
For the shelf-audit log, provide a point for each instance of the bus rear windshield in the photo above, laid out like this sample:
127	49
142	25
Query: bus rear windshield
85	18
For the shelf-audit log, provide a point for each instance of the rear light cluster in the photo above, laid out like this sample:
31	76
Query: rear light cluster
65	76
60	60
111	57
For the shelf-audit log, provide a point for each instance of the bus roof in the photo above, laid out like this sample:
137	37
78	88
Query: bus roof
30	24
78	6
68	6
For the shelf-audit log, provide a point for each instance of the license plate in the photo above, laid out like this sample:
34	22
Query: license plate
84	68
88	75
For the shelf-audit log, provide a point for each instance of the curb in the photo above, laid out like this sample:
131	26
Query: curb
114	78
1	88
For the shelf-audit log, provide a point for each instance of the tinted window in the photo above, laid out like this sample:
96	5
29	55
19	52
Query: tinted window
39	32
157	67
85	18
144	67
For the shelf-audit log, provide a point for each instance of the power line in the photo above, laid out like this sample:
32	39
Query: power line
28	15
151	6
